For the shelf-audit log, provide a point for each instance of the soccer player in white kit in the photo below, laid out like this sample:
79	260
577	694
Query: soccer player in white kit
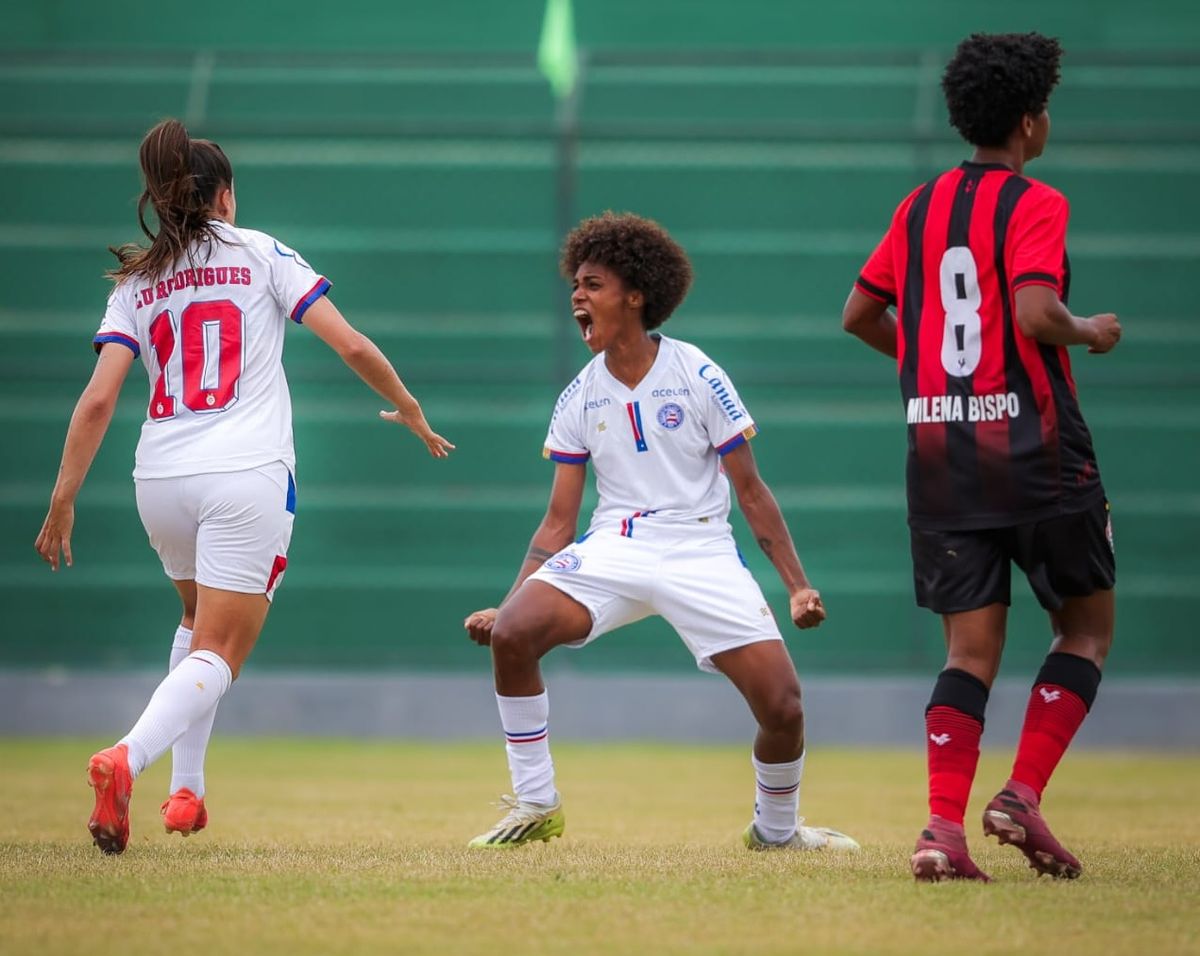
204	307
666	432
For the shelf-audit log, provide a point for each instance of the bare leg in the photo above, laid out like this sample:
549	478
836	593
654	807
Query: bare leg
1084	626
975	641
187	595
228	623
538	618
764	674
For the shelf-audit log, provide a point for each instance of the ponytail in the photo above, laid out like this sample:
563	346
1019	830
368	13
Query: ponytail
182	176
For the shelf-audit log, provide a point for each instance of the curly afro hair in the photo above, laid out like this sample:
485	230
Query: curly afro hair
994	79
638	250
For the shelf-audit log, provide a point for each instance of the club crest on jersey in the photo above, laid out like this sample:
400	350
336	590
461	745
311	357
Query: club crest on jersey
564	563
670	416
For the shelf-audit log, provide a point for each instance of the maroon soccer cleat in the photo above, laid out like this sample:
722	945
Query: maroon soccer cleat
941	854
109	776
183	812
1013	817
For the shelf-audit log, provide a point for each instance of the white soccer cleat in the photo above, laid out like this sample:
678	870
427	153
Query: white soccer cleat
524	823
805	838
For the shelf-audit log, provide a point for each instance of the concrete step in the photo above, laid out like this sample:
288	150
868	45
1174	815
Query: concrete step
454	272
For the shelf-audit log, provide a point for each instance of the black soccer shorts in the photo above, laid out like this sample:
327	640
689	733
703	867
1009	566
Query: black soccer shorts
1064	556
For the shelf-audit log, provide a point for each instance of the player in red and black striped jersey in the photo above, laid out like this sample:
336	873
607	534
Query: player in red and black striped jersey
1000	461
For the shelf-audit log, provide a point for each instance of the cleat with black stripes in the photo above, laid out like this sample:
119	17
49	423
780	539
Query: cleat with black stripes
523	823
1014	817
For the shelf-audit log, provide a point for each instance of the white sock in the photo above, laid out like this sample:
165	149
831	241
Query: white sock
526	723
181	647
187	754
776	798
185	695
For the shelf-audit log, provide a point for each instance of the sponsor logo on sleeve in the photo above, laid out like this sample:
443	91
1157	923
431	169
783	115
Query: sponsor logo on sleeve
567	394
720	392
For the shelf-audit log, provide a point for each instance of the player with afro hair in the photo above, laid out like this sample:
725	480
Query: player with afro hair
638	250
975	264
996	79
668	437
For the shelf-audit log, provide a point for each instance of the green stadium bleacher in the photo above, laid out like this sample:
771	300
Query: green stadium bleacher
426	190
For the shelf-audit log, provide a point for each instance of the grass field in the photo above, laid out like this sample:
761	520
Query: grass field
348	847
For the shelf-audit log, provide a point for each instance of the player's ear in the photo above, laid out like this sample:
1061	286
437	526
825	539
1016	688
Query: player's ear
224	205
635	299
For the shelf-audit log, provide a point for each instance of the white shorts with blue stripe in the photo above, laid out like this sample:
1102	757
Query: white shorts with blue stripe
692	575
227	530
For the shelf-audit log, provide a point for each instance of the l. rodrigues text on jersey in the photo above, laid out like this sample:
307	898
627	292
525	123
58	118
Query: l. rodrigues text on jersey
210	335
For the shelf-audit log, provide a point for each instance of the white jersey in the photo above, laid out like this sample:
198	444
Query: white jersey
656	448
210	333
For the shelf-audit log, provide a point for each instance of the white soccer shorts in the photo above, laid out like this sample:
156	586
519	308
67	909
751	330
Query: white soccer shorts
694	579
227	530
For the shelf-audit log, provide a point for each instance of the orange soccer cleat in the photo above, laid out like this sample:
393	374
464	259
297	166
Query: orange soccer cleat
183	812
109	776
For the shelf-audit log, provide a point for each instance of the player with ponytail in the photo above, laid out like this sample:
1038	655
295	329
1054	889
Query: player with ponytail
181	175
204	306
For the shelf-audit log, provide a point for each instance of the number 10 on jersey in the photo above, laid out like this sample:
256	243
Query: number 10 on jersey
210	341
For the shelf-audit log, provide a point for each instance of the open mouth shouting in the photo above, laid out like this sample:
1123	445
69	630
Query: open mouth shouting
585	324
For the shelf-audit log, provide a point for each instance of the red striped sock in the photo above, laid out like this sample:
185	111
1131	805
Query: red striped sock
952	751
1051	720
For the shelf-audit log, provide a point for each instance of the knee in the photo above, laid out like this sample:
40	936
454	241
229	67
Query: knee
982	664
1094	647
1099	649
512	640
784	714
232	656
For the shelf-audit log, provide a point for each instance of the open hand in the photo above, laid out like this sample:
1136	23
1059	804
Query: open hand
55	536
415	422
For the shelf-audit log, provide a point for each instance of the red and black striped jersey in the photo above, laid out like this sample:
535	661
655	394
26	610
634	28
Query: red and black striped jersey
995	434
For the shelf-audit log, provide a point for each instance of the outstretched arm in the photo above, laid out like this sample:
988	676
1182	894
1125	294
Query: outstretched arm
871	321
1042	316
766	522
371	365
89	422
556	531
